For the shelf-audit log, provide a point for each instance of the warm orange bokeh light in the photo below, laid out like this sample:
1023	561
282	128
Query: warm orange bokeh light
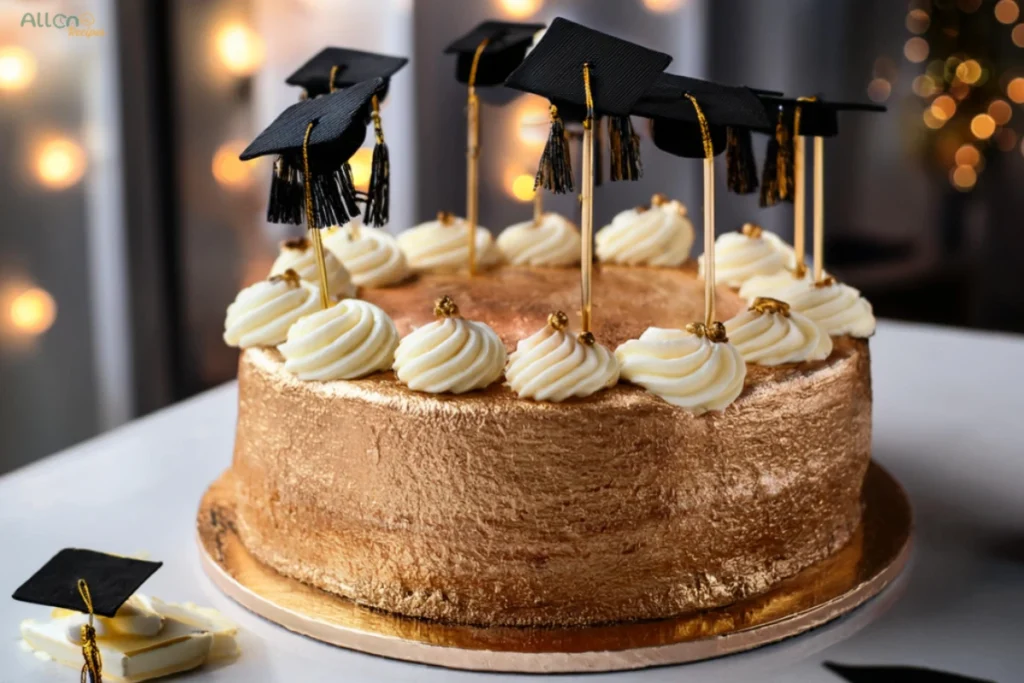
916	49
924	86
522	187
32	311
983	126
663	6
943	107
519	9
1015	90
228	169
59	163
532	122
969	71
1000	111
362	166
917	21
879	90
931	120
240	50
969	6
963	178
1007	11
967	155
1017	35
1006	139
17	68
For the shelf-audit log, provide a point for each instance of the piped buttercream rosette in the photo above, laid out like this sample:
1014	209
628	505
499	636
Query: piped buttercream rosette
742	255
553	365
450	355
299	255
440	245
770	333
371	255
655	235
551	241
696	369
262	313
349	340
837	308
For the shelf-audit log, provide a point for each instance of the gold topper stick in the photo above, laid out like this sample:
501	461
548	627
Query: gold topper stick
538	206
587	213
709	216
472	156
318	245
799	192
93	667
819	208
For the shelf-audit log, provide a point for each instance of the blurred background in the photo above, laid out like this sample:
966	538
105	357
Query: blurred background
127	223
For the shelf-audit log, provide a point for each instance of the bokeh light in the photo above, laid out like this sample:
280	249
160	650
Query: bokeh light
1017	35
917	21
1015	90
32	311
240	50
969	6
17	68
969	71
963	178
967	155
924	86
879	90
532	122
663	6
522	187
362	165
916	49
519	9
983	126
931	120
1007	11
1000	111
228	169
943	107
59	163
1006	139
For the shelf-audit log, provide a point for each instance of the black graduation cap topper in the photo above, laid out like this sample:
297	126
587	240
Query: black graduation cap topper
599	74
506	45
111	580
334	68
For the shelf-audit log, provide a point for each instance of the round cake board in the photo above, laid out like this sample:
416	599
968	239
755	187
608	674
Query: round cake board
821	593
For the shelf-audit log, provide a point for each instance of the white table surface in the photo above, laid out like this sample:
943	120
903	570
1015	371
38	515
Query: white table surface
949	423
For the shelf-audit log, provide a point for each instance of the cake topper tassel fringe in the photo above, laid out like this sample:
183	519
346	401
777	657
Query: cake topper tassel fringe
625	147
554	173
777	178
741	166
92	670
285	204
378	201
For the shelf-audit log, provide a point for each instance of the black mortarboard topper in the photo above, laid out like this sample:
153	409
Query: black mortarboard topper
334	68
897	674
596	74
89	582
506	45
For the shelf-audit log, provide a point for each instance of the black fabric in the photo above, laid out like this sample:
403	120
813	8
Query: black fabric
507	45
620	71
355	66
684	139
818	118
897	674
111	580
723	105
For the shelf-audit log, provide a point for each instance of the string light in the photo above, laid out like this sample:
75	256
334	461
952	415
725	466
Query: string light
663	6
532	123
361	163
32	311
228	169
916	49
17	68
240	50
519	9
964	178
1007	11
1017	35
879	90
59	163
943	107
1006	139
969	6
522	187
1015	90
931	120
1000	111
924	86
983	126
918	21
967	155
969	71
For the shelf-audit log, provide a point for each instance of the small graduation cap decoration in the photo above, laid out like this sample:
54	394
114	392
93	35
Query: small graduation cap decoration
600	75
314	140
485	56
898	674
335	68
785	165
89	582
690	119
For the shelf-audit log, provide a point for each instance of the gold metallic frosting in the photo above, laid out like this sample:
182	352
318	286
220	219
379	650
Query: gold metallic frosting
486	508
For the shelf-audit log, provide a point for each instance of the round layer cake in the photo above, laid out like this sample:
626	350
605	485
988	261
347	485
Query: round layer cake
485	508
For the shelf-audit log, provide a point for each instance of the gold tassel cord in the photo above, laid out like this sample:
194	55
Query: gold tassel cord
819	208
334	73
587	214
709	221
92	670
318	245
472	156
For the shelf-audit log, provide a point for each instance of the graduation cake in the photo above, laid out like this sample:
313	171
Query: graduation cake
524	431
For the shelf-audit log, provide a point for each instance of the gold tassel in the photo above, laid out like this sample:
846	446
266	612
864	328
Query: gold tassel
92	670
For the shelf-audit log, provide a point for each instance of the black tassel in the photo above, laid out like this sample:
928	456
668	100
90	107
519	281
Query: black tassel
347	188
741	166
777	178
554	173
286	194
598	152
328	207
378	197
625	147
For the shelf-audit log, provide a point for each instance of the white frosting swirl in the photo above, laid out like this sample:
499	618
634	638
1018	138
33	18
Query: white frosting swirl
349	340
740	256
299	255
552	365
686	370
450	355
262	313
373	258
771	285
440	245
661	235
839	309
769	333
555	241
783	247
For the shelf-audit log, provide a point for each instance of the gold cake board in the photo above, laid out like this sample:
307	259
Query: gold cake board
870	562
